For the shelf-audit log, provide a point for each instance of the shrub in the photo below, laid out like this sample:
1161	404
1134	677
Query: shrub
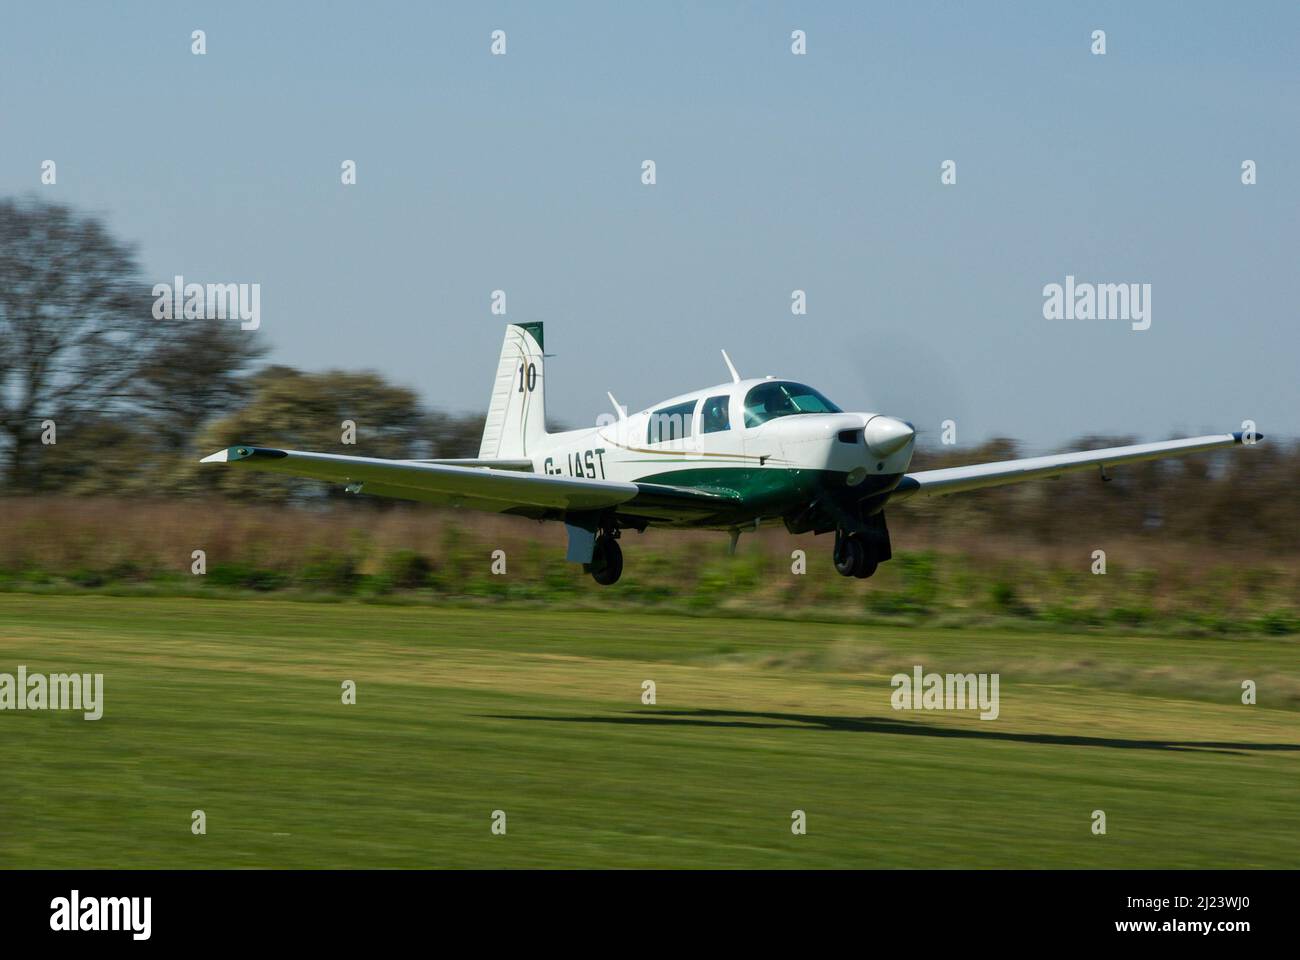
1278	622
1004	599
407	570
331	572
244	576
1130	616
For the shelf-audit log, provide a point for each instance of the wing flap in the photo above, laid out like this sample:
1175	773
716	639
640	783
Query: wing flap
979	475
481	488
523	466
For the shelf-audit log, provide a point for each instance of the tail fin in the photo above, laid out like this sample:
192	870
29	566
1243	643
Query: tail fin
516	420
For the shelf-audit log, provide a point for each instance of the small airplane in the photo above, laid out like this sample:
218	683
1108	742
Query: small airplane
728	457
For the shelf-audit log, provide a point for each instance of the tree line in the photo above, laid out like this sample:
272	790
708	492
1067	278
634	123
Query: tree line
99	398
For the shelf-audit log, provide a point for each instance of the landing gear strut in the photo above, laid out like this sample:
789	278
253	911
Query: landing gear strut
854	557
607	561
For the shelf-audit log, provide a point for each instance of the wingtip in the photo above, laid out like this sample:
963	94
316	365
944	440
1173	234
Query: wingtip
1240	436
243	452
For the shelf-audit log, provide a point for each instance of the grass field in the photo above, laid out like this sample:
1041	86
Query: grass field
233	707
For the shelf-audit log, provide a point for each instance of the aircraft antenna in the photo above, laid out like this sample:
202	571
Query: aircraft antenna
735	377
621	411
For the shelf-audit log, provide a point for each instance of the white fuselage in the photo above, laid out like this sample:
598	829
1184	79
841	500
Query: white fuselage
706	433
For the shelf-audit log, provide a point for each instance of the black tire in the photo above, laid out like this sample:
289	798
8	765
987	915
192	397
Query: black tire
849	556
866	568
607	561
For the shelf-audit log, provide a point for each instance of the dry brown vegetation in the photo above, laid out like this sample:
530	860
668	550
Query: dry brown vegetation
947	567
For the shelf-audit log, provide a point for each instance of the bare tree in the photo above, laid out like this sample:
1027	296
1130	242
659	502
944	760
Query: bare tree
196	374
74	321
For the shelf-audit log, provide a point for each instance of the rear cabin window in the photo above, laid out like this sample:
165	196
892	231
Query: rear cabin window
781	398
671	423
716	415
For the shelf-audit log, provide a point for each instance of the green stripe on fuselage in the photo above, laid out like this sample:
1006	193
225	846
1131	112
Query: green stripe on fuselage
763	491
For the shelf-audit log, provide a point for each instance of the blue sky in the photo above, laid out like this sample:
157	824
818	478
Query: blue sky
775	173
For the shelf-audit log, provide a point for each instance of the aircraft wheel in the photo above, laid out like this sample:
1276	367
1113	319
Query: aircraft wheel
867	567
607	561
849	556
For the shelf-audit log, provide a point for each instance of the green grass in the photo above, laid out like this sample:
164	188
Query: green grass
233	707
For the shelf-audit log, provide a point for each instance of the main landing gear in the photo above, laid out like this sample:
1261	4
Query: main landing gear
607	561
854	556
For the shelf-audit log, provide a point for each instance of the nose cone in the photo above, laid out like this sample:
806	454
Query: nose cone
885	435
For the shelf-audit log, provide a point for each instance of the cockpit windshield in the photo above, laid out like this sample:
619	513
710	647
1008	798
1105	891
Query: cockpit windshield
781	398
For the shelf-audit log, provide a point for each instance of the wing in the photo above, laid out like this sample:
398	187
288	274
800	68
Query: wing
978	475
477	488
495	486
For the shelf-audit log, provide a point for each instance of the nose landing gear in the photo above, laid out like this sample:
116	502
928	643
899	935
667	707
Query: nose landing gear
854	557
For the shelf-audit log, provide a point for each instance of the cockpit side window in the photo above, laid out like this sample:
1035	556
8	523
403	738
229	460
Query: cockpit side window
716	415
671	423
781	398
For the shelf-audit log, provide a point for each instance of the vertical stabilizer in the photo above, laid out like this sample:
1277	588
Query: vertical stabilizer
516	420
